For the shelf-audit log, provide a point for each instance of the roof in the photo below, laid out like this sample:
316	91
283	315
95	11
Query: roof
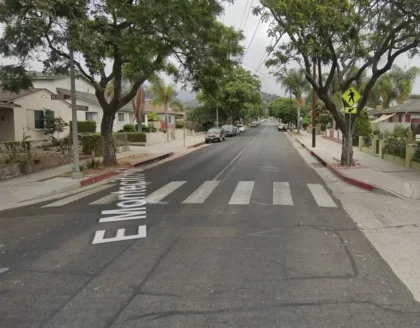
90	97
410	106
160	110
42	76
6	96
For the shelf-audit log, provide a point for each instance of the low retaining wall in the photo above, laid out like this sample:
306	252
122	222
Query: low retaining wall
16	169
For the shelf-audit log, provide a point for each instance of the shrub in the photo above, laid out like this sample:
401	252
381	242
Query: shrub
153	117
84	127
93	164
144	128
136	137
129	128
179	124
416	157
362	125
394	146
92	143
401	132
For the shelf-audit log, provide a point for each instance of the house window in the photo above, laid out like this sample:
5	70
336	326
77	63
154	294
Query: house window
91	116
39	119
170	119
120	117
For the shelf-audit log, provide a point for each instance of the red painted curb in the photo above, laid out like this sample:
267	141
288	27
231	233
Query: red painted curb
338	173
196	145
98	178
156	159
109	174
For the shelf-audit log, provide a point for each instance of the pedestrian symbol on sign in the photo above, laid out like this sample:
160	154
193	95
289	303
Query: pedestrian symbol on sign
351	96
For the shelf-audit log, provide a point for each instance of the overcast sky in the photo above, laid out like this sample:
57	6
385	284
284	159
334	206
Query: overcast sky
234	16
239	16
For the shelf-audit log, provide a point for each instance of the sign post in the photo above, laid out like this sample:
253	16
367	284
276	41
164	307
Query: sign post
351	97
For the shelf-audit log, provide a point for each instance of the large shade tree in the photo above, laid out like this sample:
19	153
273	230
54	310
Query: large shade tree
143	37
237	95
343	38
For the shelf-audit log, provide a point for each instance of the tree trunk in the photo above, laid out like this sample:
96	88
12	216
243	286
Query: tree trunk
347	147
139	122
166	122
109	156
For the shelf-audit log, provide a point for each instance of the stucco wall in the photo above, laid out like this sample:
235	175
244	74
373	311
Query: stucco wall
7	128
24	116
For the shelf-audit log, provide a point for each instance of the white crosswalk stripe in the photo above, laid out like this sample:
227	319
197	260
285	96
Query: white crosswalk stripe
282	194
158	195
108	199
202	193
242	193
78	196
321	196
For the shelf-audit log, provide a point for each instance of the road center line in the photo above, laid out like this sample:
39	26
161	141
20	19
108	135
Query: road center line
233	160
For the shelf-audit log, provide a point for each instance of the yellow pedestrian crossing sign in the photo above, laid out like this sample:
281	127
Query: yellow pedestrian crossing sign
350	110
351	96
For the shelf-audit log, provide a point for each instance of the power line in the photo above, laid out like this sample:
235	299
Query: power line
249	46
243	15
250	9
262	60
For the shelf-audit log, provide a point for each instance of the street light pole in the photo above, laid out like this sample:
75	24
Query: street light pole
314	107
76	162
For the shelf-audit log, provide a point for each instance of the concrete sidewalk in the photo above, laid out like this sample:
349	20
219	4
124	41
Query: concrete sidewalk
370	172
49	182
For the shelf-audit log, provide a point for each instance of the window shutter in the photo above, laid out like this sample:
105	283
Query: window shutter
30	119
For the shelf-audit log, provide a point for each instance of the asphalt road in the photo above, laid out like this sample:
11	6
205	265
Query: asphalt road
241	233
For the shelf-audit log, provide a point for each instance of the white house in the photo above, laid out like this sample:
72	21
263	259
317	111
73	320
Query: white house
23	114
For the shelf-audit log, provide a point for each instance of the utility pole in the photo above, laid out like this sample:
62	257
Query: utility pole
76	162
314	106
217	116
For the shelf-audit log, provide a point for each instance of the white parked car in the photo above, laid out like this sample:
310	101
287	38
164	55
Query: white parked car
241	128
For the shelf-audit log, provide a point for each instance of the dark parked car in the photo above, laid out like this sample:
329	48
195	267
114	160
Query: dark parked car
230	130
215	134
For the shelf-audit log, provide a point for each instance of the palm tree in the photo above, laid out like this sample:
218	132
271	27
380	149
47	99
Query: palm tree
403	81
162	95
295	83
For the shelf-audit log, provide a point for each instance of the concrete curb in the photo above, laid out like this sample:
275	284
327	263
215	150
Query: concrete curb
106	175
349	180
338	173
196	145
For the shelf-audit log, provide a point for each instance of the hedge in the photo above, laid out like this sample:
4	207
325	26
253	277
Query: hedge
84	127
136	137
92	143
129	128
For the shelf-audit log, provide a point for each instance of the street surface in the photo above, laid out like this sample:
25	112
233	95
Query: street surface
241	233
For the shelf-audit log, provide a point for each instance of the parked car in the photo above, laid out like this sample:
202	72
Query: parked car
282	127
230	130
254	124
215	134
241	128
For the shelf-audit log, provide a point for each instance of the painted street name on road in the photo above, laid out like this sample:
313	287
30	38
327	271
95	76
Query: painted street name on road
131	205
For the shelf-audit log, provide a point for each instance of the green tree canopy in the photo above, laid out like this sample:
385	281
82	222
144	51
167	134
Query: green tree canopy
238	95
343	38
138	37
284	109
